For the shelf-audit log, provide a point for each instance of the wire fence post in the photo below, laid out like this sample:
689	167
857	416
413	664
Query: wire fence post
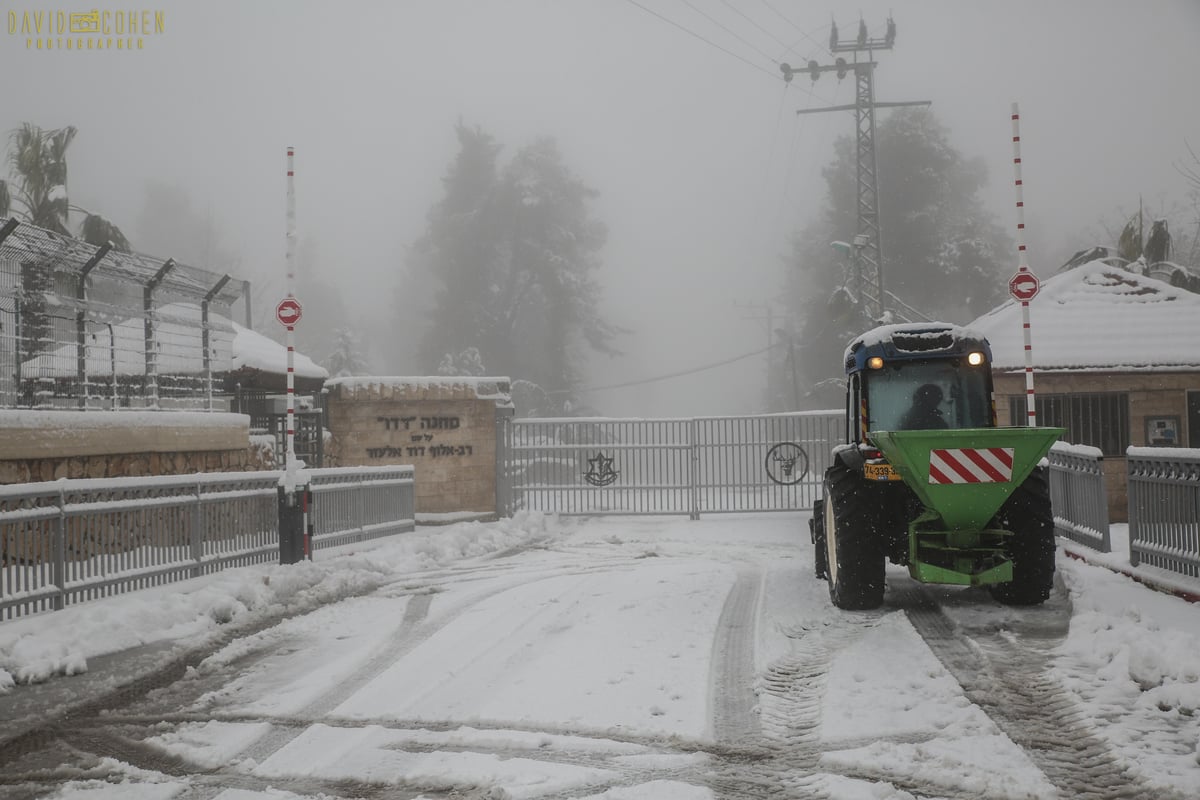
150	333
60	551
197	537
694	468
504	504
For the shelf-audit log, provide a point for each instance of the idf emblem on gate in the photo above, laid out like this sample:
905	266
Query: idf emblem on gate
786	463
600	470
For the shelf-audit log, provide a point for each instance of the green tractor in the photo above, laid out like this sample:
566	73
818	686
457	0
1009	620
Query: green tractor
927	480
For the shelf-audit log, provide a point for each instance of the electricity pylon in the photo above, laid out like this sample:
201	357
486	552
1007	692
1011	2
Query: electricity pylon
867	265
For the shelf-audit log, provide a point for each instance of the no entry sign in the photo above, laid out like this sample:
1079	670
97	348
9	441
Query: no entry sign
288	311
1024	286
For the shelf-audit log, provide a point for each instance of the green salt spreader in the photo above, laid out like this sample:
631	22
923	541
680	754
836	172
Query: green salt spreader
926	479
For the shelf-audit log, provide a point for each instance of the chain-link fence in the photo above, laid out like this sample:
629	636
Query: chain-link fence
89	327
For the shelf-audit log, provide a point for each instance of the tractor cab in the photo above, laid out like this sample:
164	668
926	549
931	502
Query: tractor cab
918	377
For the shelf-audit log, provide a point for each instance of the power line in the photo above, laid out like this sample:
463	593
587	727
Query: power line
680	374
717	22
703	39
779	14
747	17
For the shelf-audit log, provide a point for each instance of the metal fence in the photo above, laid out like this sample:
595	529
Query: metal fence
1164	508
69	541
89	327
1078	495
353	504
667	466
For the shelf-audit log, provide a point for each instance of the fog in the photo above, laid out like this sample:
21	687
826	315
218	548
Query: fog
684	126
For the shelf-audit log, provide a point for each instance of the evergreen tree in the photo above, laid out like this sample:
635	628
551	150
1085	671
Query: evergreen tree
459	251
170	224
468	362
514	254
544	315
346	358
325	314
943	253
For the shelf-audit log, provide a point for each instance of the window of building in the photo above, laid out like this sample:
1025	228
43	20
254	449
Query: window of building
1099	420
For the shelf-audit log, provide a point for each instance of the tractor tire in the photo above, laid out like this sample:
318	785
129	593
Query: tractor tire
855	557
1028	515
816	532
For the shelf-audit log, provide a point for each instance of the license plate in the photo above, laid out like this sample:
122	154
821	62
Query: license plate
880	472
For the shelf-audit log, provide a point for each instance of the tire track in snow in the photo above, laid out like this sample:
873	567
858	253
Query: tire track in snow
400	642
415	629
87	728
1007	679
731	678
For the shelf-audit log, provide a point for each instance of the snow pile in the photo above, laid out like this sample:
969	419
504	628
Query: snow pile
1099	317
1132	658
59	643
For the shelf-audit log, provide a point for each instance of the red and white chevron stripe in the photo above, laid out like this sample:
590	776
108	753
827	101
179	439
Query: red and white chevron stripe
971	465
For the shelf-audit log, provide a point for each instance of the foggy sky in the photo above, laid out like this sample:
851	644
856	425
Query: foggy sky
703	168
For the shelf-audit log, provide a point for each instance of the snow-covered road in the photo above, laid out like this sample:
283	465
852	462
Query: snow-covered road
619	658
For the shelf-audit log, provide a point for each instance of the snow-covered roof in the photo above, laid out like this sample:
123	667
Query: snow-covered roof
252	350
179	334
1099	317
123	346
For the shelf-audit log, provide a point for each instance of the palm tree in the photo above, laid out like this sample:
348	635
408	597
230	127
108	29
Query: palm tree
97	230
39	161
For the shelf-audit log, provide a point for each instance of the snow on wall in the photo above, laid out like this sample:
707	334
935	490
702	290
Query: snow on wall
484	388
1099	317
119	418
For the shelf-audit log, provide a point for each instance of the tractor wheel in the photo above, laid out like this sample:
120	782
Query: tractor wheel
816	530
855	558
1028	515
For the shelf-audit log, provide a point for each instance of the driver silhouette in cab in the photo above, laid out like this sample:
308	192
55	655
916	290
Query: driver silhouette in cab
924	413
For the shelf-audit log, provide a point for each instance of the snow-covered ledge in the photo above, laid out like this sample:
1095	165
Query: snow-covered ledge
71	434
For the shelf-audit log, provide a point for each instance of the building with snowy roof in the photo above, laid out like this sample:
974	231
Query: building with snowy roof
1117	363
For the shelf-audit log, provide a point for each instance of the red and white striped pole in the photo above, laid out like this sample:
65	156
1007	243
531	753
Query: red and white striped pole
1023	269
290	463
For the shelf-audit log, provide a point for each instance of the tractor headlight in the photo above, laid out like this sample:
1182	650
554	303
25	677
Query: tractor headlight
875	362
975	359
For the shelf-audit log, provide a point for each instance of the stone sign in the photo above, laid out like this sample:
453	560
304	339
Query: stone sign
444	427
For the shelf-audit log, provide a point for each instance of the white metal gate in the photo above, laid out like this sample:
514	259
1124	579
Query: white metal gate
692	466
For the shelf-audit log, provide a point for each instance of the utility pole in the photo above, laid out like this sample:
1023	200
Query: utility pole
769	317
867	276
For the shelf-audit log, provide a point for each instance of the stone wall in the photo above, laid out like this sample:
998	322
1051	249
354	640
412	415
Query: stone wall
48	445
125	465
444	427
